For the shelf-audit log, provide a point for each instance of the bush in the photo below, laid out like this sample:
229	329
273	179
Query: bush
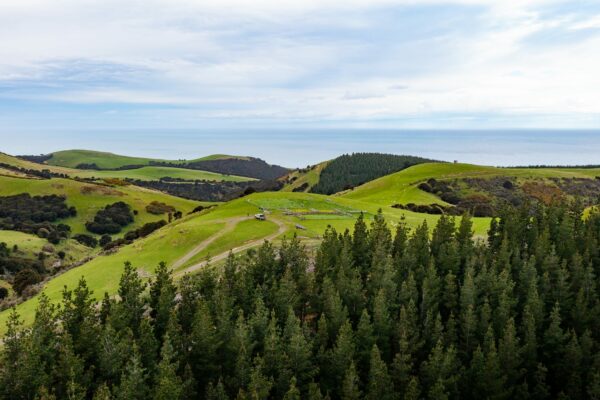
158	208
104	240
25	277
111	219
425	187
3	293
116	243
144	230
4	251
508	185
450	197
86	240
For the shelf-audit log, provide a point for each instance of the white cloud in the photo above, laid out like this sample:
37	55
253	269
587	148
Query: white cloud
309	59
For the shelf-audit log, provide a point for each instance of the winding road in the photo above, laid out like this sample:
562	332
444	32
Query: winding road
230	225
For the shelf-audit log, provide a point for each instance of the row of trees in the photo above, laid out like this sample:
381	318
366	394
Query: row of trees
428	313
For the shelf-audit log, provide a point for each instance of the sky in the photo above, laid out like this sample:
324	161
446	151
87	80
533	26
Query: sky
92	67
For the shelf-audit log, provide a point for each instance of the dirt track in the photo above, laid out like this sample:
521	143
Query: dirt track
230	224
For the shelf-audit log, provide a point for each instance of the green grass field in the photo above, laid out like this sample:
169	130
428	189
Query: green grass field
103	272
244	232
72	158
155	173
401	187
17	162
89	198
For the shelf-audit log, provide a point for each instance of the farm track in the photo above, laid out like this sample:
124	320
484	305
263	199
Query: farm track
230	224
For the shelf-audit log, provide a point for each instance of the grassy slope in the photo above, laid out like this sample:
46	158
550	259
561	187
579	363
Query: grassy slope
401	187
17	162
155	173
88	204
72	158
102	273
311	177
30	245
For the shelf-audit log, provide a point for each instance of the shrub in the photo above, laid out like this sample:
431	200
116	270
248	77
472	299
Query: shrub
145	230
104	240
86	240
3	293
425	187
158	208
4	251
111	219
450	197
24	278
508	185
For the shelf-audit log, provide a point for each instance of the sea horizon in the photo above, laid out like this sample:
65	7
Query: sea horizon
301	147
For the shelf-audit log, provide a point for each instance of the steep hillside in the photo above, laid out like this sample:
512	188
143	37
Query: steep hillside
15	164
303	179
351	170
88	198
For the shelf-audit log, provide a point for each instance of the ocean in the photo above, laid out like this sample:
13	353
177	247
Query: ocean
301	147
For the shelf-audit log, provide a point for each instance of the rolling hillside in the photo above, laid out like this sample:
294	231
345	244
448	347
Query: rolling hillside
186	244
447	185
152	173
346	171
104	160
88	198
217	163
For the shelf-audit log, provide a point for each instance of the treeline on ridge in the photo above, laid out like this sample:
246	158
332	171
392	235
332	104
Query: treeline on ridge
351	170
209	191
423	314
250	167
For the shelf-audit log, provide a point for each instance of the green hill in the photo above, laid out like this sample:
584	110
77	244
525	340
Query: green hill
479	189
104	160
217	163
16	162
156	173
88	198
351	170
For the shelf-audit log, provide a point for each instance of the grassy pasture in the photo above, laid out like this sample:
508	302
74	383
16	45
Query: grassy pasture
89	198
401	187
103	272
155	173
72	158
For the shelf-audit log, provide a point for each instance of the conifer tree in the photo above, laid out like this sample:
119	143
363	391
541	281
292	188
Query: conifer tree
380	384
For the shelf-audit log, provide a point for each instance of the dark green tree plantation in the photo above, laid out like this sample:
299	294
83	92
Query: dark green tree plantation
379	313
